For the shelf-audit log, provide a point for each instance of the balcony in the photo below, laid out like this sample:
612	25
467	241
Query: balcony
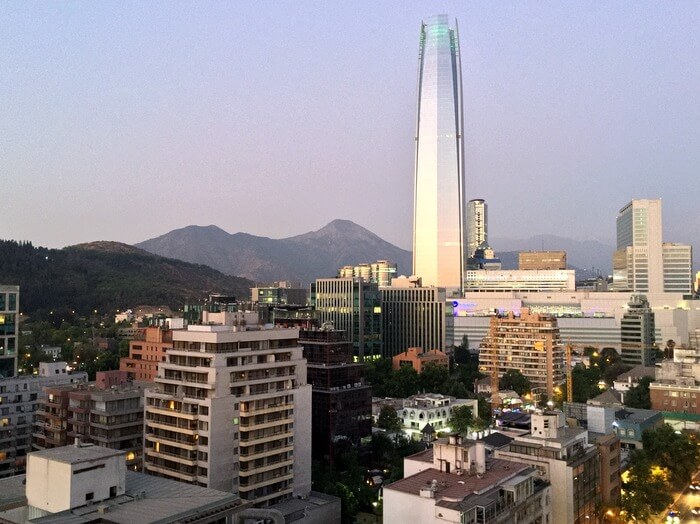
249	424
267	467
180	459
185	414
180	443
254	455
170	472
266	482
170	427
270	409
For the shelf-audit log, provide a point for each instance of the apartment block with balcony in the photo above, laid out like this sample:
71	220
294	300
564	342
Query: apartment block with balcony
231	410
146	351
9	322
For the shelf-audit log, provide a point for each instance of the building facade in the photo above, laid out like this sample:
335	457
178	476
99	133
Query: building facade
638	333
438	218
417	358
146	351
477	225
341	400
231	410
20	399
9	322
279	293
431	409
380	272
353	305
546	260
519	280
678	268
412	316
530	344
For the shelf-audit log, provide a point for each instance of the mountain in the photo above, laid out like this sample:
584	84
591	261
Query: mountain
106	276
583	254
304	258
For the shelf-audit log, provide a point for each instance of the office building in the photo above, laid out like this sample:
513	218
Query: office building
380	272
477	225
454	482
530	344
107	413
638	333
543	260
20	398
341	400
564	457
412	316
279	293
146	350
9	322
231	410
519	280
438	218
678	268
353	305
87	483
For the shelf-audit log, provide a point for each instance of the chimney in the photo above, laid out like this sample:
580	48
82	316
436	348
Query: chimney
480	450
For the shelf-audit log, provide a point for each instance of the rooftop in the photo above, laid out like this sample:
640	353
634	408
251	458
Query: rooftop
497	440
456	487
637	372
635	415
77	454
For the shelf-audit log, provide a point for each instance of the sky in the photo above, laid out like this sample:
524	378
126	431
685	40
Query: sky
124	120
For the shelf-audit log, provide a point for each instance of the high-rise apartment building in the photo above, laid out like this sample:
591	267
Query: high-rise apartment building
413	316
542	260
642	262
146	351
231	410
279	293
477	225
342	401
438	219
530	344
380	272
9	321
353	305
638	333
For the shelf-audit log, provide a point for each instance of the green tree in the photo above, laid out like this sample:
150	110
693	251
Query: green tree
645	494
462	420
377	372
388	419
515	380
402	383
462	355
585	382
435	379
676	452
639	396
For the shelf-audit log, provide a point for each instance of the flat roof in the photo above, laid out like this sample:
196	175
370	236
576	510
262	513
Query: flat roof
77	454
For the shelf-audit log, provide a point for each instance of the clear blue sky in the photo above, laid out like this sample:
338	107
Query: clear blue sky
124	120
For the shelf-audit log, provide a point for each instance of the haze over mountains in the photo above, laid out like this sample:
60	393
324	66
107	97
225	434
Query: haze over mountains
321	253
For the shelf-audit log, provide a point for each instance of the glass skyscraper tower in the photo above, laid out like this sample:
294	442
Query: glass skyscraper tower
438	213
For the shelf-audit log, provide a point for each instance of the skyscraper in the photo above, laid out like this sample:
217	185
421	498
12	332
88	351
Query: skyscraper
637	333
477	225
438	235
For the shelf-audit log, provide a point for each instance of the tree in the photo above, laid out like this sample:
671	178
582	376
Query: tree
515	380
585	382
388	419
462	420
402	383
675	452
462	352
646	492
435	379
377	372
638	396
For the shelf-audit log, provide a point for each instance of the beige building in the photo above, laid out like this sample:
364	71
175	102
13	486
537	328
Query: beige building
231	410
529	343
380	272
542	260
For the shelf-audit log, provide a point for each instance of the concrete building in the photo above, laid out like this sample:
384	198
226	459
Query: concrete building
484	258
9	322
231	410
479	280
542	260
380	272
438	210
341	400
638	333
477	225
412	316
676	393
279	293
454	482
530	344
678	268
430	408
564	457
353	305
146	351
87	483
110	416
585	317
418	359
20	398
631	378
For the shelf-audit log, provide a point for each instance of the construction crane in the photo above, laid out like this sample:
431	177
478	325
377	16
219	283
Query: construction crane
569	375
495	387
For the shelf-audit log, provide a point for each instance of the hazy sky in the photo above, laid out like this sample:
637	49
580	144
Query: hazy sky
124	120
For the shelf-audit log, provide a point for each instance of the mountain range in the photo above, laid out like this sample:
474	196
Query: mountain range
321	253
316	254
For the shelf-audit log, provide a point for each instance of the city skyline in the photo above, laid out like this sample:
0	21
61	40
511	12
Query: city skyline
114	131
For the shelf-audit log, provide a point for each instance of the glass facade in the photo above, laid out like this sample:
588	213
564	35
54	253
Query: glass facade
438	236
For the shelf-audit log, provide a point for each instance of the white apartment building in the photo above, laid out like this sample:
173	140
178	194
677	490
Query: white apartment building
9	322
231	410
476	280
678	268
431	408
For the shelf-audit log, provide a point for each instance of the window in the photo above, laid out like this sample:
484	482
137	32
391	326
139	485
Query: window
89	496
112	491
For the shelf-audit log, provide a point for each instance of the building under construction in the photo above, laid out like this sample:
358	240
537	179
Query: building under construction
529	343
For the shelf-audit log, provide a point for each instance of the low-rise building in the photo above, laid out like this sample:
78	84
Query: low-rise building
417	358
431	408
631	378
146	350
454	482
484	280
676	393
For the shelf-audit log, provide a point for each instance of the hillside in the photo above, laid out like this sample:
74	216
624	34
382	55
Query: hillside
106	276
305	257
